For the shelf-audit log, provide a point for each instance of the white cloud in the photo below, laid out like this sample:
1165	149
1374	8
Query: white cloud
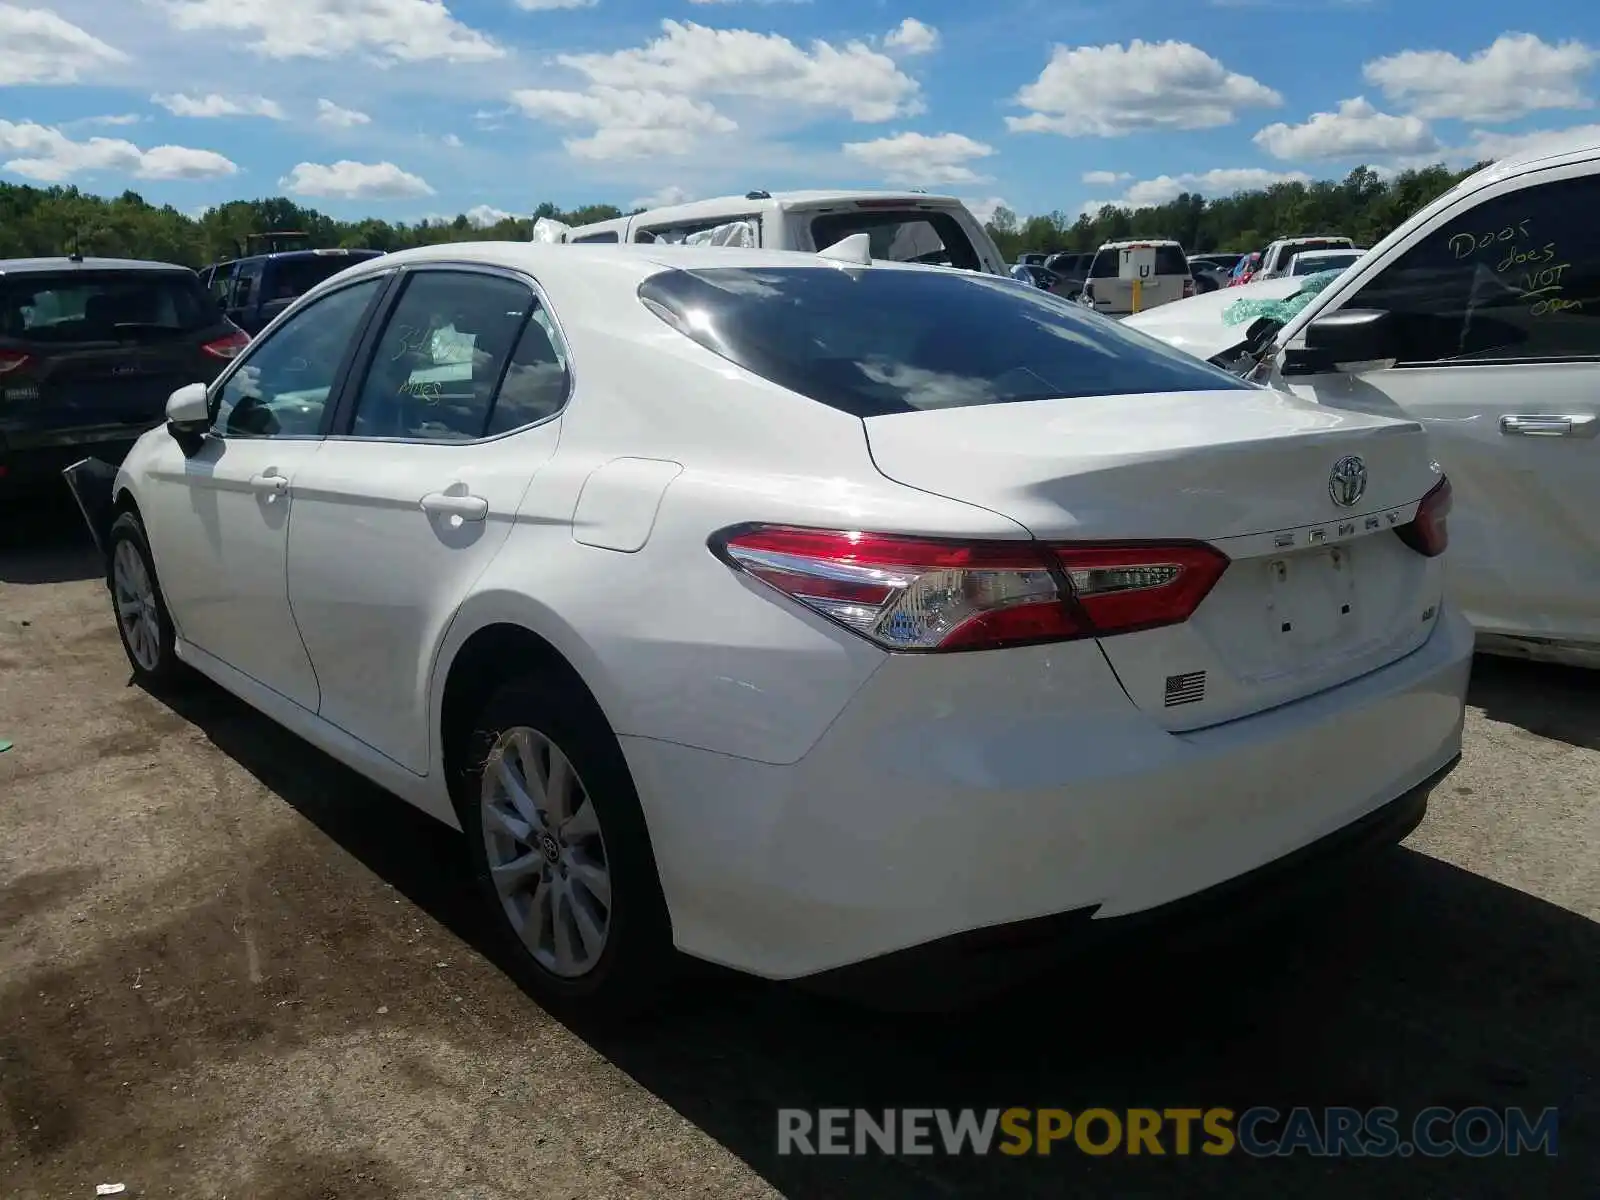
917	158
690	59
543	5
37	46
406	31
346	180
481	216
985	209
912	37
1487	145
50	156
452	141
1221	181
627	123
1516	75
1109	91
214	105
1105	178
1357	130
665	198
109	119
329	113
750	1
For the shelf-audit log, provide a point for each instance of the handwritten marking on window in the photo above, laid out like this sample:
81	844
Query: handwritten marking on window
1464	245
1520	257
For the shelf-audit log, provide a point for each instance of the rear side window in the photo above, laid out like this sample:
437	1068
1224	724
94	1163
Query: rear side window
610	235
872	341
465	355
103	306
935	238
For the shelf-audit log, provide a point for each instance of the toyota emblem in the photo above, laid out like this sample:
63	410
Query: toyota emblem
1347	482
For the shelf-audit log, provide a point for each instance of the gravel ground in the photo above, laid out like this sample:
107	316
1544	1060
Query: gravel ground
229	967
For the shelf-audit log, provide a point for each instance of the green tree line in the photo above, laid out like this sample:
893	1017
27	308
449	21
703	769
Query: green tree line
1363	206
48	221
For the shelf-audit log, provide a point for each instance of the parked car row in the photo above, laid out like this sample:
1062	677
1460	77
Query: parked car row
711	589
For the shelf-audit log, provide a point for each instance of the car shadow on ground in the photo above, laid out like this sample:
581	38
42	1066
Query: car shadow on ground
1410	984
1560	703
43	539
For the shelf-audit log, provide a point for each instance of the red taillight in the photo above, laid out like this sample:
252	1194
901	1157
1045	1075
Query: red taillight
228	347
11	360
908	593
1428	532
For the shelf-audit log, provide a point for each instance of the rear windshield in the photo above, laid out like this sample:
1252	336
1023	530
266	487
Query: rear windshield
935	238
872	341
291	277
1293	248
1322	262
103	306
1170	260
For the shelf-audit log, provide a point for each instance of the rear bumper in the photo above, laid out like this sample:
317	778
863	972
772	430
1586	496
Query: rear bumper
972	963
924	813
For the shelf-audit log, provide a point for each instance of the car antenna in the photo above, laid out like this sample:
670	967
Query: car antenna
77	250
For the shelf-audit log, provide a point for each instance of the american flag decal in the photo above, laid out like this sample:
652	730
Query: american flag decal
1186	689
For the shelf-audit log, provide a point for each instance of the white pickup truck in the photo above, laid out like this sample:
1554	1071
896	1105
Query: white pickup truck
901	226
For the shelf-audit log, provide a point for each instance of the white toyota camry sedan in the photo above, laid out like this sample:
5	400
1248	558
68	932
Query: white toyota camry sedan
794	613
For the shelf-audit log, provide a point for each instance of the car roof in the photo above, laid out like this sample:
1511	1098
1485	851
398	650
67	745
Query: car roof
1124	245
728	205
282	255
553	261
36	266
1544	150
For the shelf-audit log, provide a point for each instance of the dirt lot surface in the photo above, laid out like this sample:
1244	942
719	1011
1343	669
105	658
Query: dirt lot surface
229	967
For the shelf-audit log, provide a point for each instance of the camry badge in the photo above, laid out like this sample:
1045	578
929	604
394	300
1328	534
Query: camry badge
1347	482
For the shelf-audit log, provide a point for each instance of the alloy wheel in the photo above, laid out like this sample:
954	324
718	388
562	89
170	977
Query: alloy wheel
545	852
134	594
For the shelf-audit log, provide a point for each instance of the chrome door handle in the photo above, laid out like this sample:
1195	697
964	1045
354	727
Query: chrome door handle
270	482
1583	425
468	508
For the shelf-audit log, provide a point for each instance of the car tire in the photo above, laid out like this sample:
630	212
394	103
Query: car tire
143	623
541	880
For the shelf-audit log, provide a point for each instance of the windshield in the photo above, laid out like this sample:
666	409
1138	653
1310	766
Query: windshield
874	341
102	306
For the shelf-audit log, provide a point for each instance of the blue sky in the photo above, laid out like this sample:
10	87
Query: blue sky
409	108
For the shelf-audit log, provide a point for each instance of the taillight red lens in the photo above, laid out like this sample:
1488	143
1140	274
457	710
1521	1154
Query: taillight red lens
228	347
908	593
1429	532
1124	588
11	360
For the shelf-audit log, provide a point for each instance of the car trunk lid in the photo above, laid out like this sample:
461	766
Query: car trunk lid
1317	592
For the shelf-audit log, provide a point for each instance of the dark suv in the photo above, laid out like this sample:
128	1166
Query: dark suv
254	289
90	349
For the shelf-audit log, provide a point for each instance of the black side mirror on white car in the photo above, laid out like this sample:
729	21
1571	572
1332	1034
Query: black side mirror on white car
1353	341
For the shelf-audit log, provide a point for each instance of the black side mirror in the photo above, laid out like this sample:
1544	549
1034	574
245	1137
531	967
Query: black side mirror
1354	341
